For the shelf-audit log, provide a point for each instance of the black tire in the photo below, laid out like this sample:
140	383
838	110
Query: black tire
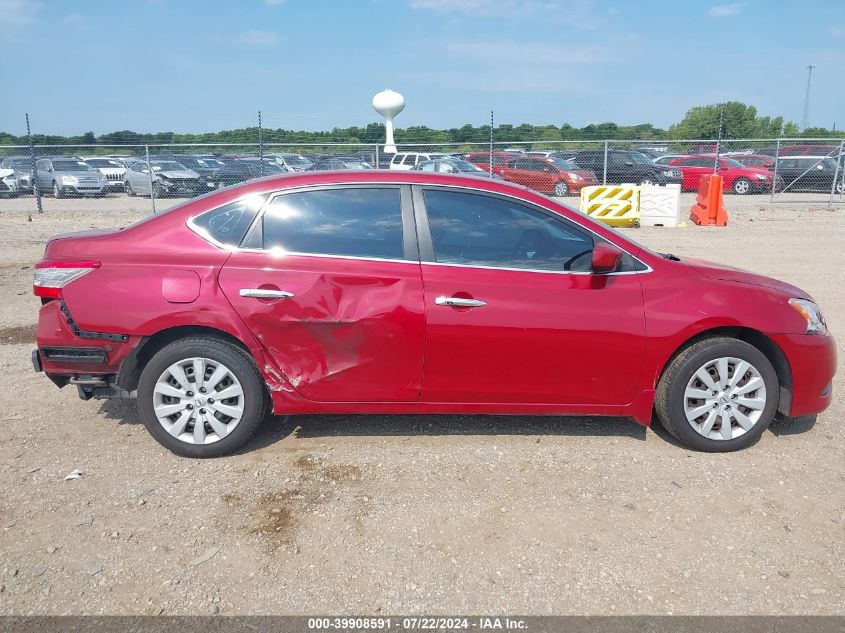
742	186
648	180
239	362
156	190
669	399
57	191
129	190
560	189
840	188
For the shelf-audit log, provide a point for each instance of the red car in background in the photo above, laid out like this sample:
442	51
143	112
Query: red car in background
754	160
410	292
737	178
551	176
482	159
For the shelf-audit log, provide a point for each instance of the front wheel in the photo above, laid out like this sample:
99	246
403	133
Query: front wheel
742	186
201	397
840	188
561	189
129	190
718	395
57	191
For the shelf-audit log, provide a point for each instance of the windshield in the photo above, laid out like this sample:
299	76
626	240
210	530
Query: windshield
563	164
297	160
642	159
732	162
167	165
464	166
70	165
103	162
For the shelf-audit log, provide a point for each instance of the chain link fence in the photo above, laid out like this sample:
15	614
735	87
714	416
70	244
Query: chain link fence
797	171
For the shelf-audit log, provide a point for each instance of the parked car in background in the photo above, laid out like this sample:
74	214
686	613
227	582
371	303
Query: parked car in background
452	165
168	178
63	176
403	161
387	293
291	162
626	166
809	149
708	148
668	158
22	166
338	162
736	177
8	183
197	165
550	176
235	170
483	159
754	160
653	154
112	169
811	173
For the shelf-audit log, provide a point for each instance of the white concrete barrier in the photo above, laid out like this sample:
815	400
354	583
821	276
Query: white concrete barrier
660	205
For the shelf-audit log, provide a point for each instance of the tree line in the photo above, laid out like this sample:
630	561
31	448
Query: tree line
731	120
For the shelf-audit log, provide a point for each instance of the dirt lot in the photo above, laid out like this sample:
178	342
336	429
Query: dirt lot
382	514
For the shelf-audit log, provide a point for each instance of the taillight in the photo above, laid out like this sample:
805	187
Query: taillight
52	276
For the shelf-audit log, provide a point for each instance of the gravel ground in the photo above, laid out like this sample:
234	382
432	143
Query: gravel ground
419	514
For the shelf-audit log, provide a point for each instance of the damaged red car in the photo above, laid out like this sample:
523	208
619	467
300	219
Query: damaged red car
410	292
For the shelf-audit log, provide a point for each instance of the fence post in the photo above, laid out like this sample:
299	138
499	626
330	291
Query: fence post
836	174
376	161
490	165
775	177
604	172
35	189
260	147
150	174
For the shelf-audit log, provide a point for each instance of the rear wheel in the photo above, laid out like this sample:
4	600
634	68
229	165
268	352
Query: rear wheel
718	395
201	397
742	186
561	189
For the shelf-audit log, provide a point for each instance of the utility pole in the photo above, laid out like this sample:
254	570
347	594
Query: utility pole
33	180
260	147
807	97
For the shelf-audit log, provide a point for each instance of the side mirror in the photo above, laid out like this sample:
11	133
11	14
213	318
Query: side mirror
606	258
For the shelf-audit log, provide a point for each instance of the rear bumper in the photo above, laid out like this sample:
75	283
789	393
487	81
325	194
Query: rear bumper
65	351
812	360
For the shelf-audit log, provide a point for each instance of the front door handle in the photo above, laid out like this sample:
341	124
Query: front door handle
265	293
460	302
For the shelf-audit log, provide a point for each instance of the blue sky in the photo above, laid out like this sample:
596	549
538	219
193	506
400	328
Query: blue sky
201	65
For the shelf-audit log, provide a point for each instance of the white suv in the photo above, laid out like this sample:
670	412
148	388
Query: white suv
111	168
405	161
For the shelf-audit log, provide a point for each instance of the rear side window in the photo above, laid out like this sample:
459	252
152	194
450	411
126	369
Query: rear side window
228	224
349	222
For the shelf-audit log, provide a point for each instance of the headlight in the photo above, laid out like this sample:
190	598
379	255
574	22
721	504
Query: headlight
573	175
811	313
68	180
761	177
668	173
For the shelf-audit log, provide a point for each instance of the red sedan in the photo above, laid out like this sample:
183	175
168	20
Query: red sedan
409	292
736	177
552	176
497	159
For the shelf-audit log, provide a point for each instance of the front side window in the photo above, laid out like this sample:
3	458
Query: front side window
479	230
410	159
350	222
228	224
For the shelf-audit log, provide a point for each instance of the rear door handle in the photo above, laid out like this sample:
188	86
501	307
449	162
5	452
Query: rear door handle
265	293
459	302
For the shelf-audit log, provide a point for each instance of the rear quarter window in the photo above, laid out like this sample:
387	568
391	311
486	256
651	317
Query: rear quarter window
228	224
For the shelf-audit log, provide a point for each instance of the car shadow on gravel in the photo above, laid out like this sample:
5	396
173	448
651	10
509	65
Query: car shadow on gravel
276	428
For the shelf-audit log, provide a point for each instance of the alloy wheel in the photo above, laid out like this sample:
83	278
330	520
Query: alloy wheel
198	400
742	186
724	398
561	189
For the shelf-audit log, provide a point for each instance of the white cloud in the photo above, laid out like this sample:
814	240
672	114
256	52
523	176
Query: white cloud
486	7
509	51
258	38
18	11
724	10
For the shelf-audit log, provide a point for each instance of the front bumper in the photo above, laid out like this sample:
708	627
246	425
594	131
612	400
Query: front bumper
812	361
